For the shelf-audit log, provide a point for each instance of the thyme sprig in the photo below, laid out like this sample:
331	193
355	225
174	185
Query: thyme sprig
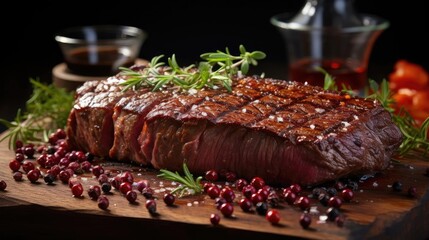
46	110
415	138
217	70
188	185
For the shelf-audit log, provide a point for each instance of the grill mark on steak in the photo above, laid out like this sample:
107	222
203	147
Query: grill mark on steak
285	132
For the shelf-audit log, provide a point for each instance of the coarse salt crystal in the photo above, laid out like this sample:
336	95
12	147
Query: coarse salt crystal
256	101
355	117
323	218
196	202
207	98
306	83
375	184
244	110
319	110
319	137
192	91
279	119
215	87
346	124
189	204
314	210
204	114
271	117
312	126
194	107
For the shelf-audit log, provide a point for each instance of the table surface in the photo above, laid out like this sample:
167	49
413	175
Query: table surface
376	212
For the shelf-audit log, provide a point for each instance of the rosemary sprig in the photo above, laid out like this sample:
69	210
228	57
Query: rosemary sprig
415	138
46	104
187	183
217	70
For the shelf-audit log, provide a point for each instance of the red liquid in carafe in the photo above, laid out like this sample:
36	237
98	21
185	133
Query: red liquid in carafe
307	71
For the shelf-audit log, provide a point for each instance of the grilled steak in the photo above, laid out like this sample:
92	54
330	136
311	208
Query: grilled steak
285	132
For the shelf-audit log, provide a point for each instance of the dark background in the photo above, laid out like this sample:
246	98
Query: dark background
186	28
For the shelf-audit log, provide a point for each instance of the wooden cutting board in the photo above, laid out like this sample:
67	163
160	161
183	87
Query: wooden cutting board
376	212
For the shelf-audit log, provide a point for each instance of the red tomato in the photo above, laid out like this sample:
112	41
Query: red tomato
421	101
408	75
403	100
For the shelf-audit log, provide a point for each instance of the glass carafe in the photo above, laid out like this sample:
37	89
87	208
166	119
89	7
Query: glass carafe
329	35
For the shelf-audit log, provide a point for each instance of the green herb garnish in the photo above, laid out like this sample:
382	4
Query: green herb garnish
46	110
415	138
217	70
188	185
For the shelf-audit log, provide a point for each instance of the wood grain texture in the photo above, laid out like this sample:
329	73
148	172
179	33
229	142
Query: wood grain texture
376	212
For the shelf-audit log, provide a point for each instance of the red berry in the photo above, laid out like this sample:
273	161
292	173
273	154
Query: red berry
103	178
142	184
248	191
131	196
245	204
94	192
289	197
97	170
64	176
206	186
212	175
214	219
305	220
227	209
41	160
335	202
72	181
103	202
86	166
52	139
227	194
257	182
3	185
19	157
256	197
116	182
213	192
151	206
61	134
17	176
19	144
273	216
347	194
33	175
147	192
77	190
125	187
29	151
231	177
295	188
127	177
264	193
303	202
240	184
14	165
27	166
75	166
169	199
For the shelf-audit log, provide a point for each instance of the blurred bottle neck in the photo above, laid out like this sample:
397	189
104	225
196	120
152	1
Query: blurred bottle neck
328	13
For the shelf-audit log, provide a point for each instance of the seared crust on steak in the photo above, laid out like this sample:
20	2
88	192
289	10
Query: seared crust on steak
285	132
